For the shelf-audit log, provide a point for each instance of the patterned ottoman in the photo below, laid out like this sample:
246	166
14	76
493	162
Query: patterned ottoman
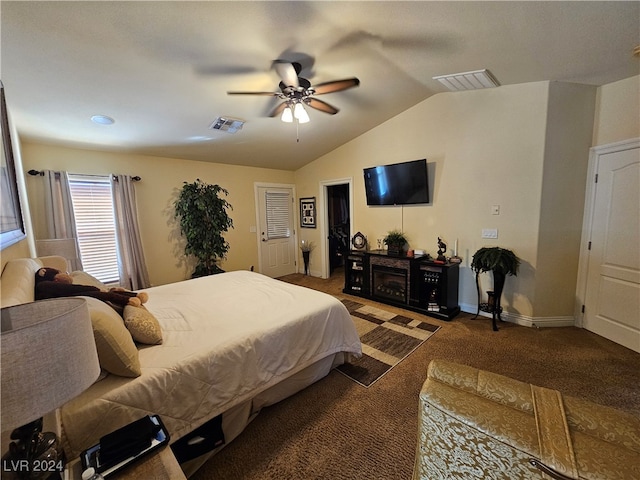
475	424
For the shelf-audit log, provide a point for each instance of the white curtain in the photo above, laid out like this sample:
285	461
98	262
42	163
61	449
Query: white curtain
61	223
131	263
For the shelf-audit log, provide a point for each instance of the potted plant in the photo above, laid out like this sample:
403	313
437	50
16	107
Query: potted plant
501	262
395	242
203	218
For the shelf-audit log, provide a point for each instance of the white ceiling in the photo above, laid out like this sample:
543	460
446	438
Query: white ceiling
162	69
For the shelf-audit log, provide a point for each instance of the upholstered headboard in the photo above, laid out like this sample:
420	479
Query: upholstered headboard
17	282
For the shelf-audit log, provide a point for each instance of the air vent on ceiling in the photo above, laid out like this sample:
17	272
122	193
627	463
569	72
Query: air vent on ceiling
229	125
468	80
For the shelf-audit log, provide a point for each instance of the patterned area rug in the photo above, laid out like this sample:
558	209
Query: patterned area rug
387	339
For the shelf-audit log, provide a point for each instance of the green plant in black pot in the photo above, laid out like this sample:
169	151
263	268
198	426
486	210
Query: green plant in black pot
203	218
395	242
501	262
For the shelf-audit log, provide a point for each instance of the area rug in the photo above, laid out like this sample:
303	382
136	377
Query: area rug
387	339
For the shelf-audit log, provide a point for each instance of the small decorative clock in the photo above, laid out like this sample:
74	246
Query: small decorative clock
359	241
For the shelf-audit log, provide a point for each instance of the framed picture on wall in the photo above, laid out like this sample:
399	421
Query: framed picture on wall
11	223
308	212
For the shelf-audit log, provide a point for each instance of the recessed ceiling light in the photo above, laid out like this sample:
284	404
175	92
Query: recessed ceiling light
102	120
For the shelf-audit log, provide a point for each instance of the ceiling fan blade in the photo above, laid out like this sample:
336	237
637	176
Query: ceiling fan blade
270	94
278	110
287	73
320	105
335	86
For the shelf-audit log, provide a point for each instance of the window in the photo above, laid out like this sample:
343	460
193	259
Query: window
278	216
95	225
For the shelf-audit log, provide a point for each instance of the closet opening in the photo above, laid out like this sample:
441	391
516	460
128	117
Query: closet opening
339	234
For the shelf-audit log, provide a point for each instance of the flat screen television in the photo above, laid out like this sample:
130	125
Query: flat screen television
403	183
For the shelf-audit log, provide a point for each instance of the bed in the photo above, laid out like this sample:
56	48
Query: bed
231	344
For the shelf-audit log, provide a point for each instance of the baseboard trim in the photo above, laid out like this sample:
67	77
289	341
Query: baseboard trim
525	320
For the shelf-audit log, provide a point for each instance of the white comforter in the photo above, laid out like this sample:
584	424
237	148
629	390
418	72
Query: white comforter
227	337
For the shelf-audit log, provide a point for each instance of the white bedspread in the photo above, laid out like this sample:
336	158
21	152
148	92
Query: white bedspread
227	337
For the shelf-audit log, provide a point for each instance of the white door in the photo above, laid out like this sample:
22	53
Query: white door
276	234
612	300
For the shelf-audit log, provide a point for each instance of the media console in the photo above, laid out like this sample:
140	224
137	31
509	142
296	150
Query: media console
416	283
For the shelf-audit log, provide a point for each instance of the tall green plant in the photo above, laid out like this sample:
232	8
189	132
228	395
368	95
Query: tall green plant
203	218
496	259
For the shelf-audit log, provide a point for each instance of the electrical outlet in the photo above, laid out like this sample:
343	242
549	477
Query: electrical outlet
495	209
489	233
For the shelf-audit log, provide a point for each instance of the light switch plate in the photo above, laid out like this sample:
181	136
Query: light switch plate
489	233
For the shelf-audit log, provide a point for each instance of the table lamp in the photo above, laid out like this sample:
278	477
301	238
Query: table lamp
47	357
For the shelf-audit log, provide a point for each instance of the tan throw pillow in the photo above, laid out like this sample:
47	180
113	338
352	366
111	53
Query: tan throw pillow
142	325
116	351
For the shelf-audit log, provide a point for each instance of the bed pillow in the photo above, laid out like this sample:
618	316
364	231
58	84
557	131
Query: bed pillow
142	325
83	278
116	351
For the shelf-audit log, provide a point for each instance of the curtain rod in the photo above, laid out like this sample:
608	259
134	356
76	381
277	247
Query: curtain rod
41	173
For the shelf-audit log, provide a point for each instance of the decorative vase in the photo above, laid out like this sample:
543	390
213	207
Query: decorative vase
305	257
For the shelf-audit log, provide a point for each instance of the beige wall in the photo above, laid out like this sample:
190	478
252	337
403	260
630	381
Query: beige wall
161	180
568	139
522	147
483	148
617	112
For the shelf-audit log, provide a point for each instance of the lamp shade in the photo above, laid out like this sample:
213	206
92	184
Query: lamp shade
47	357
300	113
287	115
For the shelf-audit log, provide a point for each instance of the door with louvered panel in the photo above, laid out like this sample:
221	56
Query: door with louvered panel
277	234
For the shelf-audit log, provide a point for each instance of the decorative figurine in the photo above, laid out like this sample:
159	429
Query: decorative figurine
442	249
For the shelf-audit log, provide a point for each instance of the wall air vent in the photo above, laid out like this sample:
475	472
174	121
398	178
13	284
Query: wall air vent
468	80
229	125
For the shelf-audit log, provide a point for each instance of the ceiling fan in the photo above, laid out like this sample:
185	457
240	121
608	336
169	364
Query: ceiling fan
296	92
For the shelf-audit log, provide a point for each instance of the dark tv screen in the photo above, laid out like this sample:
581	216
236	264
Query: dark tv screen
397	184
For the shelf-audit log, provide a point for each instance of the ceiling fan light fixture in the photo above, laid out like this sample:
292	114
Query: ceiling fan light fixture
468	80
287	115
300	113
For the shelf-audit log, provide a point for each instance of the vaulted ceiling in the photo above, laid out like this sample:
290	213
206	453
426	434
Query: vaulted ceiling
162	70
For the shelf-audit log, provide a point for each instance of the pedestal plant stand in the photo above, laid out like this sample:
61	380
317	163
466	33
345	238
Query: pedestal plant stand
501	262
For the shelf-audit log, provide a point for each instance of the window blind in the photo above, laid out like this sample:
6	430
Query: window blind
278	215
95	225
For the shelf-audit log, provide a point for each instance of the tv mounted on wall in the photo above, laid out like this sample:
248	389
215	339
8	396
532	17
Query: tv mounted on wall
403	183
